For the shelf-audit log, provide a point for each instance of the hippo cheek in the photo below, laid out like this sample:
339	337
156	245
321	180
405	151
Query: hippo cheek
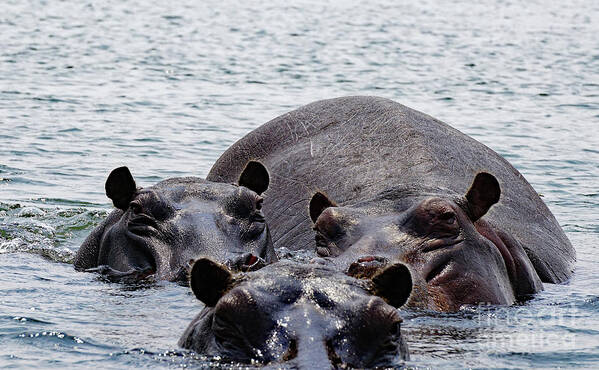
458	291
124	251
379	342
145	252
524	278
243	327
168	246
457	279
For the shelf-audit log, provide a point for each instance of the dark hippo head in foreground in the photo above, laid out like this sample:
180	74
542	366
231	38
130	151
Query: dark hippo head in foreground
308	316
456	258
159	229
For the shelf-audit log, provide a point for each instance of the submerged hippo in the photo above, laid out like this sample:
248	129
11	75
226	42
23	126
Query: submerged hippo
306	315
157	230
460	258
382	182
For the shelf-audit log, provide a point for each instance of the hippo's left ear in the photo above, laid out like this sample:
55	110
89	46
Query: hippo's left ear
255	177
393	284
120	187
209	281
483	193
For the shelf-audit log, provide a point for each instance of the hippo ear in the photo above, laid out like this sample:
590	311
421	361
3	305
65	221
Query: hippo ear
209	281
254	177
393	284
120	187
483	193
318	204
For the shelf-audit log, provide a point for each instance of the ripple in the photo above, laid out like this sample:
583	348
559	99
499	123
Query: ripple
50	334
30	212
24	319
88	87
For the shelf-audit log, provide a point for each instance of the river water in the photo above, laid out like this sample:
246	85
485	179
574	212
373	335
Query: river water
166	87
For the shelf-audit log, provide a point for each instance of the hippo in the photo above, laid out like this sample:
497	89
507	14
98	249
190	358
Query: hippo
156	231
460	258
300	315
366	181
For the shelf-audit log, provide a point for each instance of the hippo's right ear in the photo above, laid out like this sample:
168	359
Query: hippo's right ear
393	284
120	187
483	193
318	204
209	281
254	177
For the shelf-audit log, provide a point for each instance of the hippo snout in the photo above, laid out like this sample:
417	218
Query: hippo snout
314	353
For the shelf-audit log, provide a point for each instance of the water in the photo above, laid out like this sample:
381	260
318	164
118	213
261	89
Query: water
166	87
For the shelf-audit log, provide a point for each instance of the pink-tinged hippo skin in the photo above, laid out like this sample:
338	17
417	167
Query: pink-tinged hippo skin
156	231
365	181
303	316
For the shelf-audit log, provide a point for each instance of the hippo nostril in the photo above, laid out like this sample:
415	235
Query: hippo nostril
291	352
333	356
251	260
259	202
323	251
366	259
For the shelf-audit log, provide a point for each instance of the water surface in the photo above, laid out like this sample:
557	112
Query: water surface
166	87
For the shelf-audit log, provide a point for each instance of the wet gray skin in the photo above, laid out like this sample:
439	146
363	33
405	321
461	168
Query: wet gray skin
156	231
298	315
385	164
456	258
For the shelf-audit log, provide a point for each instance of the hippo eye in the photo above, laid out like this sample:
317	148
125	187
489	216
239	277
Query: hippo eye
448	217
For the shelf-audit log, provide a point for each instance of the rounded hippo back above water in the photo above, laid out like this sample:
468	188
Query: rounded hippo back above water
158	230
376	159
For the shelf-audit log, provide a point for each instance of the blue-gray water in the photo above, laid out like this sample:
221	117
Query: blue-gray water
165	87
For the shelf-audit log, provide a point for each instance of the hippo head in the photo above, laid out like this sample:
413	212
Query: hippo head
159	229
306	315
456	258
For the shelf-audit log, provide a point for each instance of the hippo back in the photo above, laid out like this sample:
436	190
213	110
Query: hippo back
353	148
